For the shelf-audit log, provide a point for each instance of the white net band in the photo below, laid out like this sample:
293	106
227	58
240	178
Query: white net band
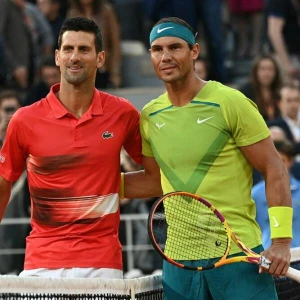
87	286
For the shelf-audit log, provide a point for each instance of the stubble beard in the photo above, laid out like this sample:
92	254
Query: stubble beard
75	79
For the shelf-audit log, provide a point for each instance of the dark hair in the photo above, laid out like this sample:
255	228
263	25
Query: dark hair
9	94
275	85
82	24
286	147
177	21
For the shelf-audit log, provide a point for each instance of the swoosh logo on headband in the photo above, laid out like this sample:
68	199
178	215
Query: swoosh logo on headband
163	29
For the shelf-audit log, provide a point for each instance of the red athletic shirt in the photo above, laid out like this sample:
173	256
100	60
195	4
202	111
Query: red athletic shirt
73	169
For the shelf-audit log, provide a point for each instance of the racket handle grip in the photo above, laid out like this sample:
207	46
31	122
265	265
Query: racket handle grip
293	274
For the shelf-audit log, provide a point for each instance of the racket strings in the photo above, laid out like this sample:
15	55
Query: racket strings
186	229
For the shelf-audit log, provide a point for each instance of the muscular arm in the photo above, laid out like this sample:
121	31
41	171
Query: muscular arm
264	157
145	183
5	188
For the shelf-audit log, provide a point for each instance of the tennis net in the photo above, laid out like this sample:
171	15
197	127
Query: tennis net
288	289
26	288
143	288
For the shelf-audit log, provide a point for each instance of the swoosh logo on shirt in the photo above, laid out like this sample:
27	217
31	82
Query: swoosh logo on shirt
163	29
199	121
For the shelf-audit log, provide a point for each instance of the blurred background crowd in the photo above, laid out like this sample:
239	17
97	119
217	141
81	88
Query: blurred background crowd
253	46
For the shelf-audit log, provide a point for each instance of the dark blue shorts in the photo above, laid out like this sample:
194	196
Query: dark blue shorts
237	281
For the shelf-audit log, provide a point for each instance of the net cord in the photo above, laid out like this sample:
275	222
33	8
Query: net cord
89	286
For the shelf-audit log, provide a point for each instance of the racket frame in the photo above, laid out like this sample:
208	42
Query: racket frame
250	257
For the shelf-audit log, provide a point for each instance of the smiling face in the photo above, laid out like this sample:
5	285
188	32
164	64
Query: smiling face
172	58
77	57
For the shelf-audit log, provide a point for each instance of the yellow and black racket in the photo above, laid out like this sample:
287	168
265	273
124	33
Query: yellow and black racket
185	228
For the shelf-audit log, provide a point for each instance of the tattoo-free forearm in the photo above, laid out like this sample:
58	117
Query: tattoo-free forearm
278	187
140	184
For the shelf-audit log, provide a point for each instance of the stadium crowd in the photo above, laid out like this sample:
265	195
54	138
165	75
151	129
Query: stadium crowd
260	38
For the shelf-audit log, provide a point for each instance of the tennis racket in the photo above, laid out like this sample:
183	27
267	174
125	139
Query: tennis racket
184	229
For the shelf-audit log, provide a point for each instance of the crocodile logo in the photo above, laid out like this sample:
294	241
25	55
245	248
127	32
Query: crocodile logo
107	135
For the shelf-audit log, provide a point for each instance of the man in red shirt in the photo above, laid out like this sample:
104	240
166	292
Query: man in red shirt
70	142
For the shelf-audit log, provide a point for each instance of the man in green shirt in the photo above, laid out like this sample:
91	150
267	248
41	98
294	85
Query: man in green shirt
205	138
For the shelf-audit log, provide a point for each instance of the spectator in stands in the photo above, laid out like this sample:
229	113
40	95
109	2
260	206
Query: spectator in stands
284	32
201	68
278	135
104	15
19	59
64	7
41	33
263	86
27	36
13	236
133	10
289	121
49	75
9	104
51	10
287	152
248	19
210	14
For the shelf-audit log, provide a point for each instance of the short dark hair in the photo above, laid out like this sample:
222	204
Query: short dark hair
177	21
286	147
9	94
82	24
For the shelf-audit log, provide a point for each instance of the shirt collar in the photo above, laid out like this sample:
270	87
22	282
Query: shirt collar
60	111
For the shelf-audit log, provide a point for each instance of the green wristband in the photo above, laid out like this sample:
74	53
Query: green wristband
281	220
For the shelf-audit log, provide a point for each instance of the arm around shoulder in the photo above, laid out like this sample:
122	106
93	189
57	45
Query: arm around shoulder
145	183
